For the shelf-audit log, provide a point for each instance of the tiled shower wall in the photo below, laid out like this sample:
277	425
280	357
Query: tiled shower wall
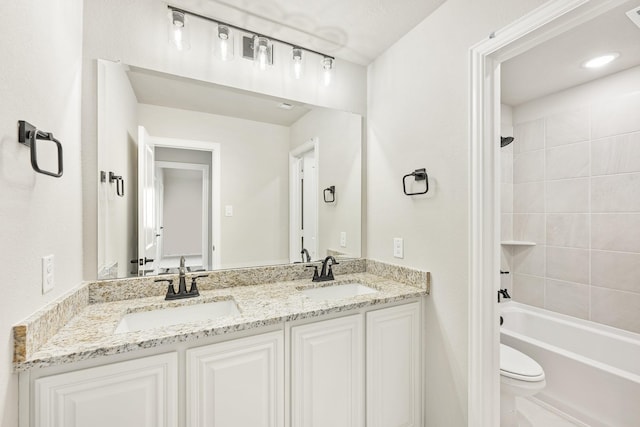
576	194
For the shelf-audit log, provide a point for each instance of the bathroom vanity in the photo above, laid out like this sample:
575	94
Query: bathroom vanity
348	355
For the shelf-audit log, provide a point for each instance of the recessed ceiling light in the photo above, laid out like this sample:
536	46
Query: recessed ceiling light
285	106
600	61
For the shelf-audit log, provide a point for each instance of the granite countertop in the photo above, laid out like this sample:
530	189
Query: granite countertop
90	332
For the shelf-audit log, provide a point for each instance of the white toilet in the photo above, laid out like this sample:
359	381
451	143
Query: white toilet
520	375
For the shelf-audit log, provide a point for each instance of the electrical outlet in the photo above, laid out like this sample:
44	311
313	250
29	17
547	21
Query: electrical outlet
398	247
48	278
228	210
343	239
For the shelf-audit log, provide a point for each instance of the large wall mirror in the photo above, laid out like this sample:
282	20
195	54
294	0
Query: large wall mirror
224	177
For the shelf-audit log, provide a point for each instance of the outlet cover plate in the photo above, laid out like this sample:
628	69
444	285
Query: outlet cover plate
48	277
398	247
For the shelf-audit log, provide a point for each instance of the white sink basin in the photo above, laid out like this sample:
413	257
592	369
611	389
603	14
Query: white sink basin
337	291
176	315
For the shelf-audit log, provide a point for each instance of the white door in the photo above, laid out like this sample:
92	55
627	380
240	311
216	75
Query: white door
147	205
237	383
327	364
137	393
309	205
393	367
303	202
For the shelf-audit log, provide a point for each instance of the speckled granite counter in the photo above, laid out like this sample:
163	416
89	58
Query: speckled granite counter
90	332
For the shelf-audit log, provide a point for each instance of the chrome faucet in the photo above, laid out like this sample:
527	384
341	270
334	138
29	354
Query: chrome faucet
325	274
182	285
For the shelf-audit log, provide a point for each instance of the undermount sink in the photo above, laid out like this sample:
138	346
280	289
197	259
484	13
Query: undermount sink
144	320
337	291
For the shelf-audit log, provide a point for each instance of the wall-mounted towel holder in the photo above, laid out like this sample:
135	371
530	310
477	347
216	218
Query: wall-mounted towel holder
420	175
332	194
119	180
28	135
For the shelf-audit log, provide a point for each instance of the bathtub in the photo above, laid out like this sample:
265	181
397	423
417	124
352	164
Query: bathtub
592	370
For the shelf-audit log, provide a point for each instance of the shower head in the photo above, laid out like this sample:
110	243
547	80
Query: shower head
505	140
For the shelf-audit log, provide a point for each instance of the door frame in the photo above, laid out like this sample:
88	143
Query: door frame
204	170
294	195
542	24
214	149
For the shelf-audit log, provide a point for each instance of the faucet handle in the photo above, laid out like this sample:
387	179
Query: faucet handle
194	286
170	289
315	272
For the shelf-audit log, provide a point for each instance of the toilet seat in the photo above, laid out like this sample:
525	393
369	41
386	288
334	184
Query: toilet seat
519	366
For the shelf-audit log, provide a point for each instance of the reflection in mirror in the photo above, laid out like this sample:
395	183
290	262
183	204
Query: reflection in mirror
226	178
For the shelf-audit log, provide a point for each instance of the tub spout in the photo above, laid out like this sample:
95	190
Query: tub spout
504	294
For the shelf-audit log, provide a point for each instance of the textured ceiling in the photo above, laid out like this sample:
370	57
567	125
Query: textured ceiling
354	30
556	64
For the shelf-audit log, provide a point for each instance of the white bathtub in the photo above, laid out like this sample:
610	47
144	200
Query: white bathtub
592	370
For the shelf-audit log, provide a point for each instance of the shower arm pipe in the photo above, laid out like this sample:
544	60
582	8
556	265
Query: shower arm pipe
235	27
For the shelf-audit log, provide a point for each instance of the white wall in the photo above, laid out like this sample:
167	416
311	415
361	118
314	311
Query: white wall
254	179
340	139
135	33
118	153
418	108
40	81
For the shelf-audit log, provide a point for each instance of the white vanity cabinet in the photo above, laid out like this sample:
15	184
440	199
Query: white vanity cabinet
136	393
237	383
327	371
361	369
393	367
334	372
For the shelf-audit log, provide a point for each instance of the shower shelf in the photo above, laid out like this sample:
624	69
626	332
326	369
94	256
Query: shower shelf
517	243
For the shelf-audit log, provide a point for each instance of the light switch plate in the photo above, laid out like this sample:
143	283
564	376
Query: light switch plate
343	239
48	278
228	210
398	247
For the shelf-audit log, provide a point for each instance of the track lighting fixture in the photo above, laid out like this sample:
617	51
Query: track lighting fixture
224	43
178	31
253	46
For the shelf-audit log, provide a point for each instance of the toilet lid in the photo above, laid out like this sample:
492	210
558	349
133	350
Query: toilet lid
517	365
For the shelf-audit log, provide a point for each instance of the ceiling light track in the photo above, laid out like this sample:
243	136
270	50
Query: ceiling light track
246	30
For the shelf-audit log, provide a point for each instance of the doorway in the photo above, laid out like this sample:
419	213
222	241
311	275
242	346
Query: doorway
303	202
541	25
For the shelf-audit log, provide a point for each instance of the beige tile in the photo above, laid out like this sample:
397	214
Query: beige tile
616	308
506	164
529	260
616	117
616	193
528	136
530	227
618	154
567	196
569	161
568	264
616	270
615	232
528	167
566	128
506	227
568	230
528	197
506	198
567	298
528	290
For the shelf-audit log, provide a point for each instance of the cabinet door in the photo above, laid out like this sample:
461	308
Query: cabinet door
328	373
393	367
137	393
237	383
